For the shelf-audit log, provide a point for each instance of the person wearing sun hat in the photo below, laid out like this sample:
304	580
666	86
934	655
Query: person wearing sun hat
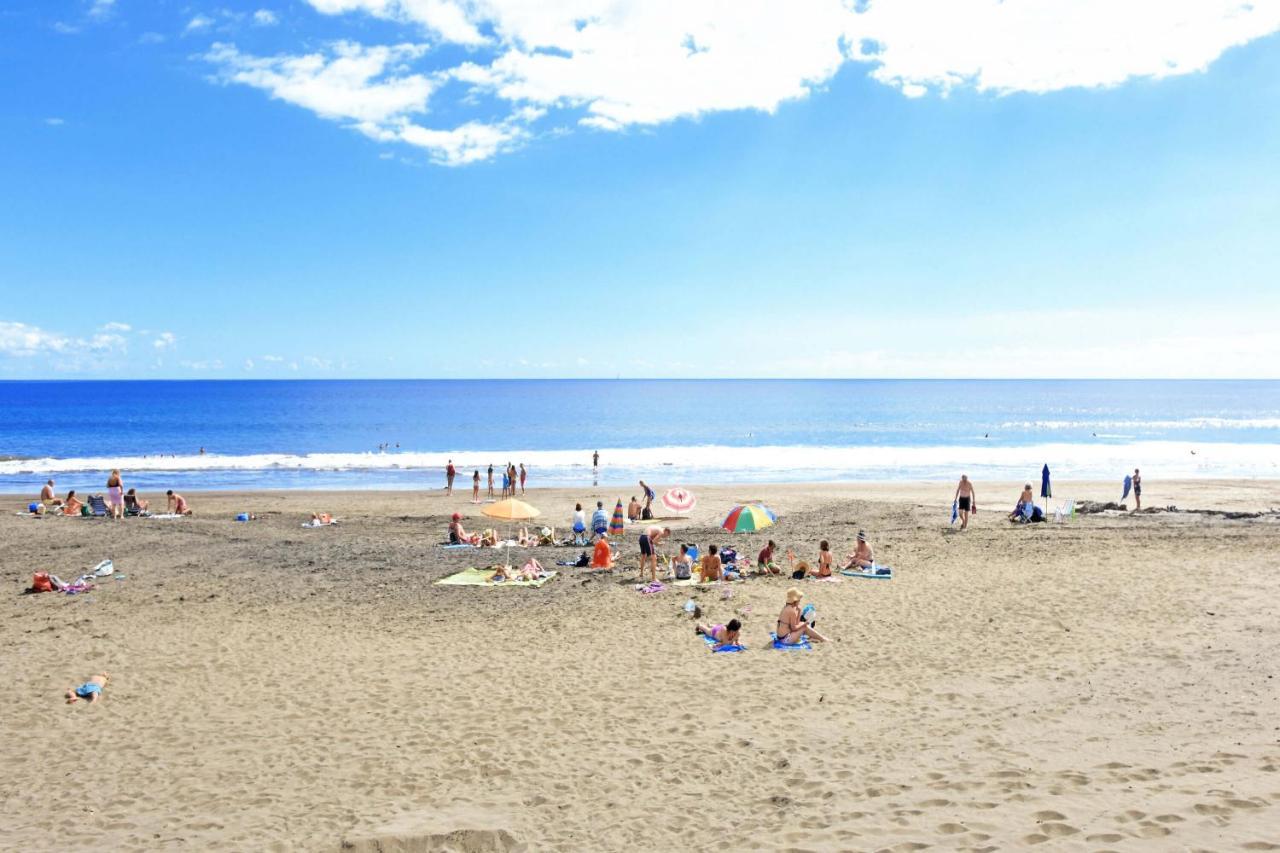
792	629
862	557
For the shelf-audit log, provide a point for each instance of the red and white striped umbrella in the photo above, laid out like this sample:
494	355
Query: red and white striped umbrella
679	500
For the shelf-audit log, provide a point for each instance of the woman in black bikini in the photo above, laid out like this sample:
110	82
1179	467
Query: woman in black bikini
791	626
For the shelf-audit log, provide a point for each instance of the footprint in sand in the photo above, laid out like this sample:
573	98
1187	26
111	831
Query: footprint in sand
1211	809
1034	838
1049	815
1105	838
1260	845
951	829
1058	830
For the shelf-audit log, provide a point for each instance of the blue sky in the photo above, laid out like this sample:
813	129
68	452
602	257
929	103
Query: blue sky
409	188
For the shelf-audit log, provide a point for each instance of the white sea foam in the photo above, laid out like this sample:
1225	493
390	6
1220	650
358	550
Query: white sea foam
720	463
1181	423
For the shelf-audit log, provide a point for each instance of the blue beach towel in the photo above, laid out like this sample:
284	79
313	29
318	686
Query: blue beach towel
457	546
803	645
711	644
883	573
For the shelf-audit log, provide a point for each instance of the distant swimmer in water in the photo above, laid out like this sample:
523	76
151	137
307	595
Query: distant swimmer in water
986	435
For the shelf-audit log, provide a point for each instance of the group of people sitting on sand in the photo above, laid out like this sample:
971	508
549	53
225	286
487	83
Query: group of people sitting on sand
726	564
795	626
118	502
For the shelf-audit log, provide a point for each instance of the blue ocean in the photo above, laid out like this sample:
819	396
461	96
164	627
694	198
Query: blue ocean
393	434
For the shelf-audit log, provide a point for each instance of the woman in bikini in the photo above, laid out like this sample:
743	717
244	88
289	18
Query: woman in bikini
724	635
792	628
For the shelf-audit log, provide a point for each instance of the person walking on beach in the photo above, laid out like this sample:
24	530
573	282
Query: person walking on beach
523	475
595	459
511	474
649	495
1137	490
966	500
649	542
490	479
449	473
475	487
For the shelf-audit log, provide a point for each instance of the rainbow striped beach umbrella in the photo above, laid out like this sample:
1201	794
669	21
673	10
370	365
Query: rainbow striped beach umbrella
618	524
748	518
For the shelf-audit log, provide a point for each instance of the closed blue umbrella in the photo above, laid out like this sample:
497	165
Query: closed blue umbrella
1128	484
1046	491
955	511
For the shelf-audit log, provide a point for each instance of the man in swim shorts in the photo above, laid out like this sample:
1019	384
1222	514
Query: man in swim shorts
90	691
1137	490
966	500
649	541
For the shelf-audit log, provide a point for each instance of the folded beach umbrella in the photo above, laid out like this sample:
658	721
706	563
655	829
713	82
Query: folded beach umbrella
955	511
748	518
618	524
679	500
1128	485
1046	491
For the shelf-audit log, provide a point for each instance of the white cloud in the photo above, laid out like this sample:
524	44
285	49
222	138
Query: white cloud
54	121
265	18
351	82
248	364
204	364
272	359
165	341
318	363
65	28
614	64
117	327
19	339
101	8
197	24
150	38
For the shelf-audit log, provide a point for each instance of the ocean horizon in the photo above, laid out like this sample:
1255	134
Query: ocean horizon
399	434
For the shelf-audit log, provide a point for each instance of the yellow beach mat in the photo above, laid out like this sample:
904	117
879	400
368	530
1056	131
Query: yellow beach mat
484	577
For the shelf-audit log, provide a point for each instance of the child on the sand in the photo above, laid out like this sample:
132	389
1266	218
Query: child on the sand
764	561
724	635
602	554
90	691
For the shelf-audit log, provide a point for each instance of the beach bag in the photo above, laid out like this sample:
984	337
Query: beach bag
646	514
40	582
683	572
728	556
583	561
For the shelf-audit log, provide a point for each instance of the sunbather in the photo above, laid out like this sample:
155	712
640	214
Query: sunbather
177	504
134	505
710	568
1027	498
792	629
90	691
823	568
319	519
862	556
682	566
599	521
72	504
489	538
724	635
531	571
633	509
47	496
579	525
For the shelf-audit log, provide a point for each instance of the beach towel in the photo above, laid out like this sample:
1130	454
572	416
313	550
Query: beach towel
484	577
711	643
315	522
803	646
883	573
106	567
164	516
458	546
650	588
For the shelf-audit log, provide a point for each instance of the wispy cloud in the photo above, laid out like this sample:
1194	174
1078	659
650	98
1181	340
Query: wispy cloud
116	327
165	341
197	24
203	364
631	63
265	18
54	121
100	9
150	38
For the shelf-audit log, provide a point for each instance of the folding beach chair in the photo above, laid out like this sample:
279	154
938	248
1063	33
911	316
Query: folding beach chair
1065	512
98	505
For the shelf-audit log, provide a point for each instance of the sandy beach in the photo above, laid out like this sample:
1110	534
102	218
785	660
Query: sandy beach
1104	684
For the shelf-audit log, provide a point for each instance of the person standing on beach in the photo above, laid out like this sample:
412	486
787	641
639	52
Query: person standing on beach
966	499
490	479
649	495
115	494
511	473
1137	490
449	473
475	487
595	459
523	475
649	541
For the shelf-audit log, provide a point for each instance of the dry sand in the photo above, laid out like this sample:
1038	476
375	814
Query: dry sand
1109	683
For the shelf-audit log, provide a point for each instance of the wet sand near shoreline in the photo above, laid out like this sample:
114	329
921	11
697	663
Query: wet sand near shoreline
1107	683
